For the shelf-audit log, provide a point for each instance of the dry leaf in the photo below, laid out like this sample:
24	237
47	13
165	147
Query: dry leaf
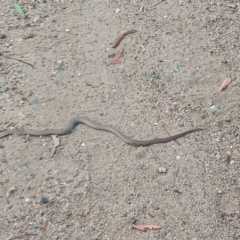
120	36
117	57
56	143
38	206
224	84
227	156
11	190
44	225
145	227
97	83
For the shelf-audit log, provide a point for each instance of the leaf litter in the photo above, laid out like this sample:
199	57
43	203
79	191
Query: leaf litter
224	84
145	227
19	10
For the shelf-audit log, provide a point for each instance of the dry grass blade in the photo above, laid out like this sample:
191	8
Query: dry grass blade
56	142
22	235
19	60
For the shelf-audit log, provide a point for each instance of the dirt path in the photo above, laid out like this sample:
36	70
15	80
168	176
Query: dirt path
95	185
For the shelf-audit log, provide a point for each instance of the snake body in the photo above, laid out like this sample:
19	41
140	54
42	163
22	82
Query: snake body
96	126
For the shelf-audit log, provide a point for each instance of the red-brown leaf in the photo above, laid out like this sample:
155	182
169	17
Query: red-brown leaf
146	226
120	36
224	84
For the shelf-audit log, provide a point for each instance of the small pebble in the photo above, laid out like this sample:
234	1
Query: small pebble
11	190
218	156
28	200
28	93
9	206
178	157
162	170
69	213
3	36
146	77
32	175
133	220
83	144
44	200
236	152
68	205
214	108
33	102
117	10
219	191
67	30
4	88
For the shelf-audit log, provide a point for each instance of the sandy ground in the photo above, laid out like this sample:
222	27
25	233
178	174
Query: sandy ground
96	186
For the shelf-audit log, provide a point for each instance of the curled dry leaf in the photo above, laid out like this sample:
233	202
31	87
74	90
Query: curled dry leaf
120	36
95	84
224	84
145	227
11	190
117	57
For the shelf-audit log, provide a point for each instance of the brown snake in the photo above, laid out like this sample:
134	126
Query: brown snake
97	126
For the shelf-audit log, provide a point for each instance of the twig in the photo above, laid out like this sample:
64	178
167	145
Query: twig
23	235
18	60
158	3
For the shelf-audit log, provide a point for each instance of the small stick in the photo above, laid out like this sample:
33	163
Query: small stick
18	60
23	235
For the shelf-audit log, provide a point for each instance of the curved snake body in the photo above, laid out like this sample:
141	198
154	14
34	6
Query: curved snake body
96	126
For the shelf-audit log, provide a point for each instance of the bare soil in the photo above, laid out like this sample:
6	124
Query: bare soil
96	186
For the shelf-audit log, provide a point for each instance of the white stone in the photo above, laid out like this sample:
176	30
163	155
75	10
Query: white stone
162	170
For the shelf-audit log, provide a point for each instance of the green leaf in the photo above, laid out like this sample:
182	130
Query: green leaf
19	10
175	66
